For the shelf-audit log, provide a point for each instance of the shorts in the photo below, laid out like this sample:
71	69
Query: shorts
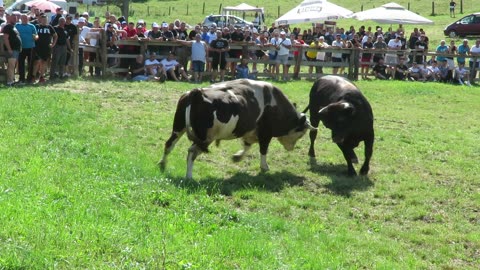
198	66
14	54
43	54
282	59
272	57
336	59
216	61
365	61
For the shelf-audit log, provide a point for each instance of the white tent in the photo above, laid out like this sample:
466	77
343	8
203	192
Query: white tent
391	13
242	8
313	11
259	19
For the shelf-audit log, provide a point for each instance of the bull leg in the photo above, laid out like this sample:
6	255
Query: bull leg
368	155
240	154
313	136
169	145
263	152
311	151
348	153
193	152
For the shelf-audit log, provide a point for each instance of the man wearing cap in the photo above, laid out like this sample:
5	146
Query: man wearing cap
28	34
55	17
379	45
282	58
87	16
154	34
337	57
12	44
47	38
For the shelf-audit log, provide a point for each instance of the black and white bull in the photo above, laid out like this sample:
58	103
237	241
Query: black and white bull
340	105
254	111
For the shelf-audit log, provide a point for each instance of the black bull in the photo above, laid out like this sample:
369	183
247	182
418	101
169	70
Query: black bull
251	110
342	108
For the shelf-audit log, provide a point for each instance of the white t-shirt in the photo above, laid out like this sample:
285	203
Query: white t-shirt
284	50
149	62
168	64
394	44
475	49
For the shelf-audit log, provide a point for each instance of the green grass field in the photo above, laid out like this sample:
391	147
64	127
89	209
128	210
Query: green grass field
80	187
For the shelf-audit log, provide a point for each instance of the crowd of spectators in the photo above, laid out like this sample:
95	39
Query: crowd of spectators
37	45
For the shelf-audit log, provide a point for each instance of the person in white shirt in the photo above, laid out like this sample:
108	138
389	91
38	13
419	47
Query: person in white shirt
153	66
173	69
474	52
337	57
282	57
462	74
393	44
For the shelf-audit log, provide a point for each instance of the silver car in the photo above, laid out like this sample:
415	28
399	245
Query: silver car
225	20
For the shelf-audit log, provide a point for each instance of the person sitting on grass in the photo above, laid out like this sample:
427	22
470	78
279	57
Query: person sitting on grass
137	71
401	70
154	68
445	72
462	75
173	69
243	72
382	71
415	73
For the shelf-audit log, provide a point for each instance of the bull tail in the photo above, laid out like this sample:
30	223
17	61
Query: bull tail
196	96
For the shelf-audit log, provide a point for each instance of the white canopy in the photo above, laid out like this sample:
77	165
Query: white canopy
391	13
243	7
313	11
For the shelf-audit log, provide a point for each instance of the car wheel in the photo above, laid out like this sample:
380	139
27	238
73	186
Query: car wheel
452	34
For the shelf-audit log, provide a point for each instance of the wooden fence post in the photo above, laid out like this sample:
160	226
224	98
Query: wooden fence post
103	52
433	8
75	56
203	9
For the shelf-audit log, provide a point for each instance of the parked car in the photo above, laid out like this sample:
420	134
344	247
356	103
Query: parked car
466	26
226	20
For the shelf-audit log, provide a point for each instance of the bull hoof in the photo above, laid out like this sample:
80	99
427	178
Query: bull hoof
352	173
264	169
364	170
161	165
237	158
313	161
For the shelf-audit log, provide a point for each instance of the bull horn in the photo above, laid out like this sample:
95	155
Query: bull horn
309	126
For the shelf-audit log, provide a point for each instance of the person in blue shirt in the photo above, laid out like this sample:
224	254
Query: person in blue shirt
242	70
463	50
442	48
28	35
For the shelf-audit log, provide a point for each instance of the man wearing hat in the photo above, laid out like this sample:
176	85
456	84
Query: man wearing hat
58	14
87	16
154	34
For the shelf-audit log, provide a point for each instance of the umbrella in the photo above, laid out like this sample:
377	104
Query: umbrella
391	13
43	5
313	11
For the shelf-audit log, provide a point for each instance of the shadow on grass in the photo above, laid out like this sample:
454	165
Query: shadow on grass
341	183
263	181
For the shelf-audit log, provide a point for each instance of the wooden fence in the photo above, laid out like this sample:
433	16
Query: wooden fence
351	66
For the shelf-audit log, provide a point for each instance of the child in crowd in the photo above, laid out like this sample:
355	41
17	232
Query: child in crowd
243	71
